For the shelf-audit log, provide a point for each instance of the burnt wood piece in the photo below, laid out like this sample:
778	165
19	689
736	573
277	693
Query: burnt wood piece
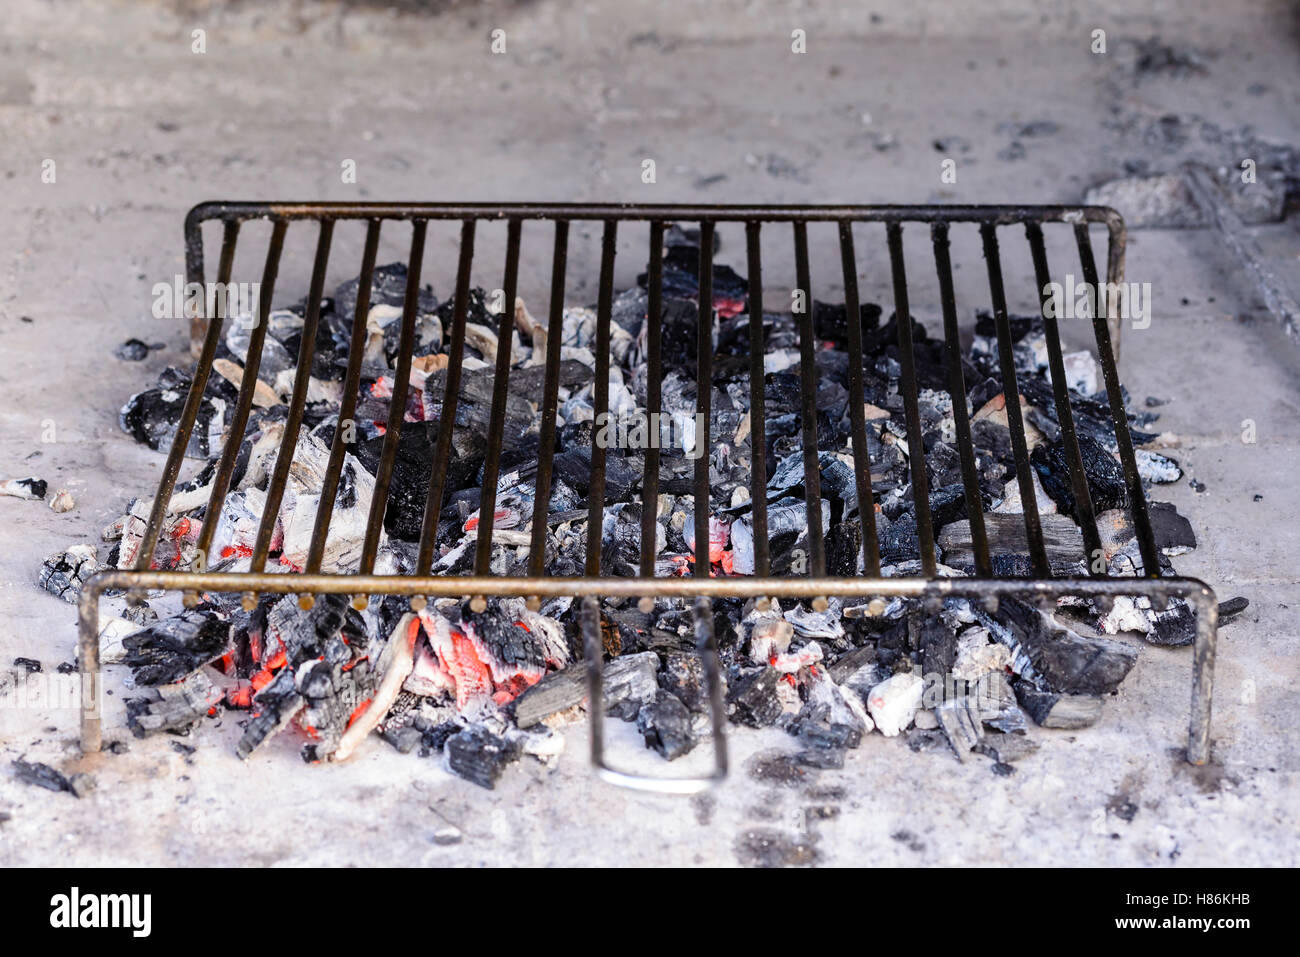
665	724
1070	663
1052	710
478	755
1105	477
172	648
1062	540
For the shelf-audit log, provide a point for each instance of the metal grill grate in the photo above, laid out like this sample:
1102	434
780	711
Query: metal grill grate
991	221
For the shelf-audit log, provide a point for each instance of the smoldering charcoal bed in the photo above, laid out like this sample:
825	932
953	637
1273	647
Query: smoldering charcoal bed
458	525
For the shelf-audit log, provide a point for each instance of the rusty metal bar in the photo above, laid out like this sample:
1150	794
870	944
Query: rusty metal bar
600	397
247	386
500	386
346	422
812	474
1086	517
550	402
297	402
857	403
757	405
1119	415
1011	393
911	401
704	403
653	400
447	415
397	404
960	412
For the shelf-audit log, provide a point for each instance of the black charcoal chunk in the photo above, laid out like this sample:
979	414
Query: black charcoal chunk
1171	530
403	739
478	755
1052	710
172	648
175	708
1105	476
273	707
665	723
41	775
683	676
753	699
64	574
1231	608
820	758
1069	662
30	665
815	735
133	350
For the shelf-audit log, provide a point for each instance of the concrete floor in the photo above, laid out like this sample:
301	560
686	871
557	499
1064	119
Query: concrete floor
140	129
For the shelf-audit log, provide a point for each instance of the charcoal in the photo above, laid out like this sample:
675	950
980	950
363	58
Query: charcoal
830	321
273	707
753	699
631	681
1173	533
843	549
64	574
817	736
478	755
404	739
412	467
665	723
898	539
434	738
133	350
151	417
960	720
938	645
41	775
1231	608
1105	477
947	504
1062	540
681	279
171	648
1007	748
1052	710
175	708
30	665
683	676
820	758
1173	627
1069	662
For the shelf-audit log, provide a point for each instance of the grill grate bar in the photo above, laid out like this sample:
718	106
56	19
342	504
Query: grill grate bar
397	404
1123	438
808	379
451	394
653	399
704	402
500	392
297	402
757	404
252	364
348	407
857	404
911	401
190	414
550	402
957	389
600	398
1064	415
1011	393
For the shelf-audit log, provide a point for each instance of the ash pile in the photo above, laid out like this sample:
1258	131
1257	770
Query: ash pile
482	687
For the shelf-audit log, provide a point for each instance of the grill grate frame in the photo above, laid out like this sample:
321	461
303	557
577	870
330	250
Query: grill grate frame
206	336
